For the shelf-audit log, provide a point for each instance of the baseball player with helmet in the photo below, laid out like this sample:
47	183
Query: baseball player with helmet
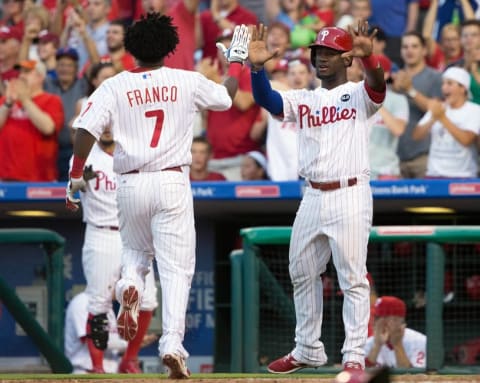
151	110
335	215
102	250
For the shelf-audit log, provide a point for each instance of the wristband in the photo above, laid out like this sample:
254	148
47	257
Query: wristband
77	167
235	69
370	62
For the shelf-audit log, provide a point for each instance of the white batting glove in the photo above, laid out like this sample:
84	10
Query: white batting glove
73	186
238	51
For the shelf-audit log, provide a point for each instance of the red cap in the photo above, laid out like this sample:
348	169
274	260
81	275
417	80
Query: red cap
281	66
10	33
384	61
390	306
48	37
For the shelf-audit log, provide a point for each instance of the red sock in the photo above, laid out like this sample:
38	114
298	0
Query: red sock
144	318
96	355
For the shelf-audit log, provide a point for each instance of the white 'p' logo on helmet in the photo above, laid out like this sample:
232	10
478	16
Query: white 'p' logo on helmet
324	34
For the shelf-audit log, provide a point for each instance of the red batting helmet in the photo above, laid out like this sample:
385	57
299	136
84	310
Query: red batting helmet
335	38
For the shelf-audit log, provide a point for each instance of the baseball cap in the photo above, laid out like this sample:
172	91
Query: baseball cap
48	37
390	306
260	158
280	66
384	61
67	52
32	64
7	32
459	75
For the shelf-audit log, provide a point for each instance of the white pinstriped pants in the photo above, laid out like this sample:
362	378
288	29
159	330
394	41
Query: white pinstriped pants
101	262
334	222
156	217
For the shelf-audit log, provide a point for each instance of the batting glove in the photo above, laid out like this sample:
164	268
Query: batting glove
73	186
238	51
89	173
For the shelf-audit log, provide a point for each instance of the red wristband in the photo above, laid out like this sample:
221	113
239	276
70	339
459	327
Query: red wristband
370	62
235	69
77	167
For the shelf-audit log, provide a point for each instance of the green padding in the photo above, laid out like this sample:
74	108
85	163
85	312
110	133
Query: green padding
273	235
31	236
51	344
55	357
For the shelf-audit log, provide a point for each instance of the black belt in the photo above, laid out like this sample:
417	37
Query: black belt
113	228
173	169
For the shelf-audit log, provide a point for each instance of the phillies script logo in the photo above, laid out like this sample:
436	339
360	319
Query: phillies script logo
102	180
326	115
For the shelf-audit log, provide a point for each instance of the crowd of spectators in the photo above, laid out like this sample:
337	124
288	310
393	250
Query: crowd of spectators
429	125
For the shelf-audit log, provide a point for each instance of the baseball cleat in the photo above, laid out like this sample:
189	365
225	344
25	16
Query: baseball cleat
352	367
176	366
129	366
127	324
286	365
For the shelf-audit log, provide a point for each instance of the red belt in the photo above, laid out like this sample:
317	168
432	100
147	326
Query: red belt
326	186
113	228
173	169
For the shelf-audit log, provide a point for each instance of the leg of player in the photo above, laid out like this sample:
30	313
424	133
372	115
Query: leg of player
130	363
129	290
308	255
349	252
101	251
174	242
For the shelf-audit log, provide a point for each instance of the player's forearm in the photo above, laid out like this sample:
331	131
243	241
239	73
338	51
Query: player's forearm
264	95
83	143
374	74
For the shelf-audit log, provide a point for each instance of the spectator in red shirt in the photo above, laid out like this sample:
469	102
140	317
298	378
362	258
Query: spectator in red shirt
223	14
12	13
10	40
201	154
185	18
230	132
30	120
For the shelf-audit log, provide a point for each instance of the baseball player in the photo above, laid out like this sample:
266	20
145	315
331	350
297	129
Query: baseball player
392	343
102	251
151	110
335	215
76	349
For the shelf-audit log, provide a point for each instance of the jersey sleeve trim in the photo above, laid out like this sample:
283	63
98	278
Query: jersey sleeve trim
375	96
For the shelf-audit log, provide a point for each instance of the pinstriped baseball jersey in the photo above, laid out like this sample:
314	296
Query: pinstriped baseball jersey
333	131
98	202
151	115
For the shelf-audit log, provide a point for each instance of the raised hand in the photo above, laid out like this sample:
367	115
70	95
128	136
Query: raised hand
258	53
362	40
238	51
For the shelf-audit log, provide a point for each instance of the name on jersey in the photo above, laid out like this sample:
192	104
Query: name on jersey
103	182
325	115
152	95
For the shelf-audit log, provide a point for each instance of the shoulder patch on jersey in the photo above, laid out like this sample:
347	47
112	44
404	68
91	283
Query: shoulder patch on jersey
345	97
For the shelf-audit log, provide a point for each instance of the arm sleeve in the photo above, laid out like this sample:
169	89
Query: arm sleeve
264	95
